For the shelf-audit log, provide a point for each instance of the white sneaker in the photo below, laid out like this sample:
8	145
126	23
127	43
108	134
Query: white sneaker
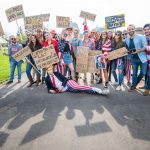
116	83
97	90
106	91
122	88
118	88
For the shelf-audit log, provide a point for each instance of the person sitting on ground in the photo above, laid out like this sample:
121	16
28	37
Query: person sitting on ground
57	83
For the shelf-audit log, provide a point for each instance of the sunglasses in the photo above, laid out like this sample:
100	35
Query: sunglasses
124	34
117	34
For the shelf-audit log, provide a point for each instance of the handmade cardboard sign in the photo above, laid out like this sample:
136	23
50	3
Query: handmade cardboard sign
91	60
22	53
62	22
45	57
118	53
86	59
1	30
87	15
14	13
82	59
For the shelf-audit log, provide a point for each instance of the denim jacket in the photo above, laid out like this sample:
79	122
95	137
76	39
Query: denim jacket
139	42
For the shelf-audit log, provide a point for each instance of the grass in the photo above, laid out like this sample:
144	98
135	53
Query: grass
5	67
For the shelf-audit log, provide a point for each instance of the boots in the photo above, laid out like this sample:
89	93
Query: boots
31	81
38	79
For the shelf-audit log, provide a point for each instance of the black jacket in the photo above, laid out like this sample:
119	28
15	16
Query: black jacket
59	76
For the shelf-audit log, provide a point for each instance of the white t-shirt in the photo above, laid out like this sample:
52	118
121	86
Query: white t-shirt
59	84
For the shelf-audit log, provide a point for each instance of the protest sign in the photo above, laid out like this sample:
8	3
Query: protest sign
86	59
91	60
62	22
45	57
33	22
118	53
15	13
1	30
22	53
99	63
82	59
87	15
44	17
116	21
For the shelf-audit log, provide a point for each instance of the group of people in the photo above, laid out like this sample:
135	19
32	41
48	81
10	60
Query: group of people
65	76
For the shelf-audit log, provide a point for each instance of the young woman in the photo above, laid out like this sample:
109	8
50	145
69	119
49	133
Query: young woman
118	63
34	45
39	35
105	45
48	40
87	42
65	53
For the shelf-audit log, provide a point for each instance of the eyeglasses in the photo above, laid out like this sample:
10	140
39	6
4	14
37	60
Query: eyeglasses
124	34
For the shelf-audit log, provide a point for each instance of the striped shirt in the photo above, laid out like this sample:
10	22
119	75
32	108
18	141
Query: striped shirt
106	47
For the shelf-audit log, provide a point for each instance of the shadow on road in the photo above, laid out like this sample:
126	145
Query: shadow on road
128	109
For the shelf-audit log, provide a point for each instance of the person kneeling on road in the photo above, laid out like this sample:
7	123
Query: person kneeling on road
57	83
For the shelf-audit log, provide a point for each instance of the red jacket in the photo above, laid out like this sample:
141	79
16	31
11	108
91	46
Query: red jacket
54	42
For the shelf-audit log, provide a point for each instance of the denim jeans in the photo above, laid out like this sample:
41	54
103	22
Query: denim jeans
13	65
136	62
28	70
120	71
147	85
43	72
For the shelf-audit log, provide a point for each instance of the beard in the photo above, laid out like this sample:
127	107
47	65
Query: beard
131	33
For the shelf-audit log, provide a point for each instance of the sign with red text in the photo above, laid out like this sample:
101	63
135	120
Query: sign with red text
45	57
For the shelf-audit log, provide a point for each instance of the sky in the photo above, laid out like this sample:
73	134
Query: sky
136	12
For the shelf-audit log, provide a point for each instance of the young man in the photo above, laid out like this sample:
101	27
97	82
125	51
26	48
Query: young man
136	42
57	83
13	48
146	30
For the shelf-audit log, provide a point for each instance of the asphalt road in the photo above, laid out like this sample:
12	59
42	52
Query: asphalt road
32	119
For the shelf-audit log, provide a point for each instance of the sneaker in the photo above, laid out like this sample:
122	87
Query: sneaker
146	93
116	83
19	81
97	90
118	88
128	84
106	91
9	82
142	87
132	88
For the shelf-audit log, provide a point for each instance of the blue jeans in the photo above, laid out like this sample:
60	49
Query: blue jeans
13	65
43	72
28	70
147	85
136	62
120	71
